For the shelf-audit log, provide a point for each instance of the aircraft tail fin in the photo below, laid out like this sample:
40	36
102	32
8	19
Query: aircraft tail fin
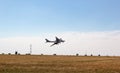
47	40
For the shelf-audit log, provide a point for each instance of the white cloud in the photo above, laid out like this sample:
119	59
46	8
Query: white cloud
104	43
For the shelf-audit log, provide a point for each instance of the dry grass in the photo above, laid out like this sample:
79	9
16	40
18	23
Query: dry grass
58	64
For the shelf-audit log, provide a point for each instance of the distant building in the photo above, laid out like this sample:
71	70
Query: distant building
54	54
41	54
77	54
16	53
28	54
99	55
91	54
9	53
85	54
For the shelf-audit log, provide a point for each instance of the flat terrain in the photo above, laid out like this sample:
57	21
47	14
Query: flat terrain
58	64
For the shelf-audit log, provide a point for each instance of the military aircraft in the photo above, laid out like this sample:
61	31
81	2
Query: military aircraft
57	41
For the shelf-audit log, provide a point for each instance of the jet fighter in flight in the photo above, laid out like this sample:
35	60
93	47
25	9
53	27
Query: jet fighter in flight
57	41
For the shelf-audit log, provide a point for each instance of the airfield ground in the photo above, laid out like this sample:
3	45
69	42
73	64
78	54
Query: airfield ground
58	64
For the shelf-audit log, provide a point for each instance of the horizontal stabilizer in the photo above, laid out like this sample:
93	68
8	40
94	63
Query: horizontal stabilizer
47	40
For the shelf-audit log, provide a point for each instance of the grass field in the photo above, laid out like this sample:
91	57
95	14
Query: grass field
58	64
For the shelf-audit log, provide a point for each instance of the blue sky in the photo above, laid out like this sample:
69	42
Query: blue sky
32	17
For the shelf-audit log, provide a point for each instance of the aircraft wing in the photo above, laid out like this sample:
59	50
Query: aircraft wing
52	45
